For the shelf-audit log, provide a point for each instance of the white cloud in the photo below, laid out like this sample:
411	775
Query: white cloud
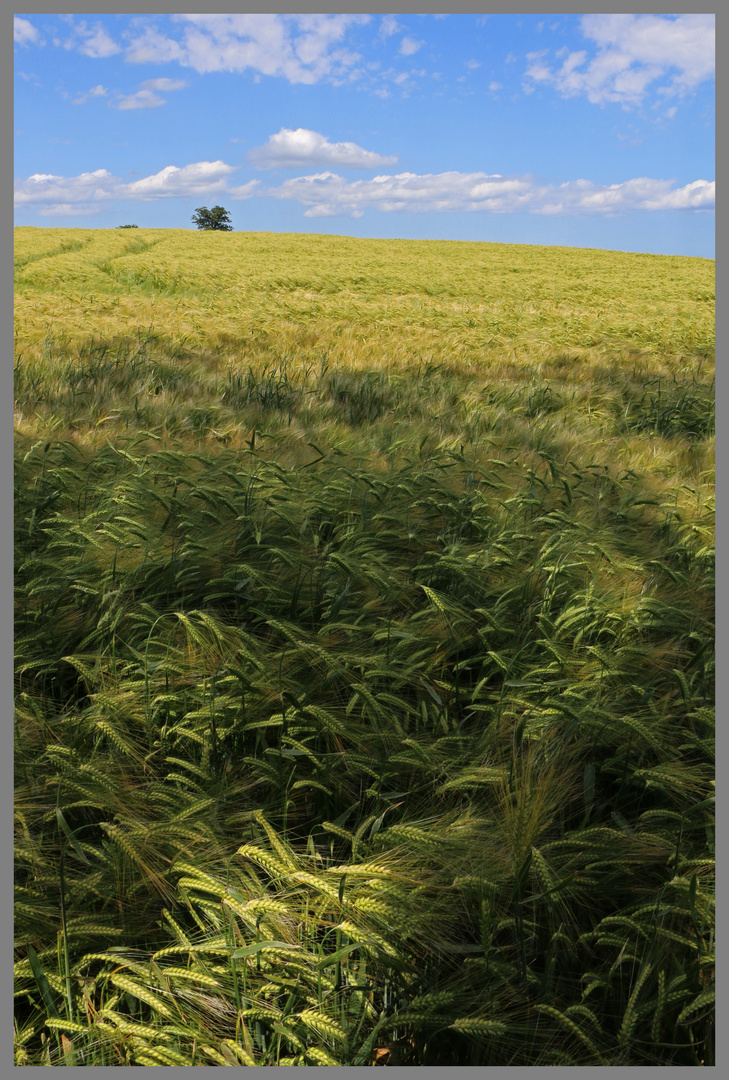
24	33
403	79
95	91
147	97
472	64
142	99
328	195
98	44
93	42
198	179
300	48
165	85
303	49
634	51
46	191
494	86
409	45
389	26
537	69
639	194
686	43
245	191
301	148
151	47
69	209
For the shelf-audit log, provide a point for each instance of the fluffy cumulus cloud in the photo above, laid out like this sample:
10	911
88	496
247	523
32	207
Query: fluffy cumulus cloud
202	178
582	196
300	48
51	194
328	195
672	54
301	148
24	33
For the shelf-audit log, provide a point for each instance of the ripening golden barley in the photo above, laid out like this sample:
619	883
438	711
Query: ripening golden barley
364	657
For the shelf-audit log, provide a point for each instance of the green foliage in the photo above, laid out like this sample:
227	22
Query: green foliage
364	714
217	218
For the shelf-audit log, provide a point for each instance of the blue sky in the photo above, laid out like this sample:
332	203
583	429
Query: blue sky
577	130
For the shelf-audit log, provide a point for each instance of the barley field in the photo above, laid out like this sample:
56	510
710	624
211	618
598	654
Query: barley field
364	678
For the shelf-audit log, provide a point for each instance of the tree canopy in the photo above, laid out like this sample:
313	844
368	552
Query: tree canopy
218	218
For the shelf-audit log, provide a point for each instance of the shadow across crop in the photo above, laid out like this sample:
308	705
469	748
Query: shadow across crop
364	695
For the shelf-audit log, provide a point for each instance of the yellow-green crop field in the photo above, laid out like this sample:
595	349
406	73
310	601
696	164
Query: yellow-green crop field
364	642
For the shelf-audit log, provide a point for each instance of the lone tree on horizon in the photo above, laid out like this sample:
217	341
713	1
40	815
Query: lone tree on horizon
218	218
